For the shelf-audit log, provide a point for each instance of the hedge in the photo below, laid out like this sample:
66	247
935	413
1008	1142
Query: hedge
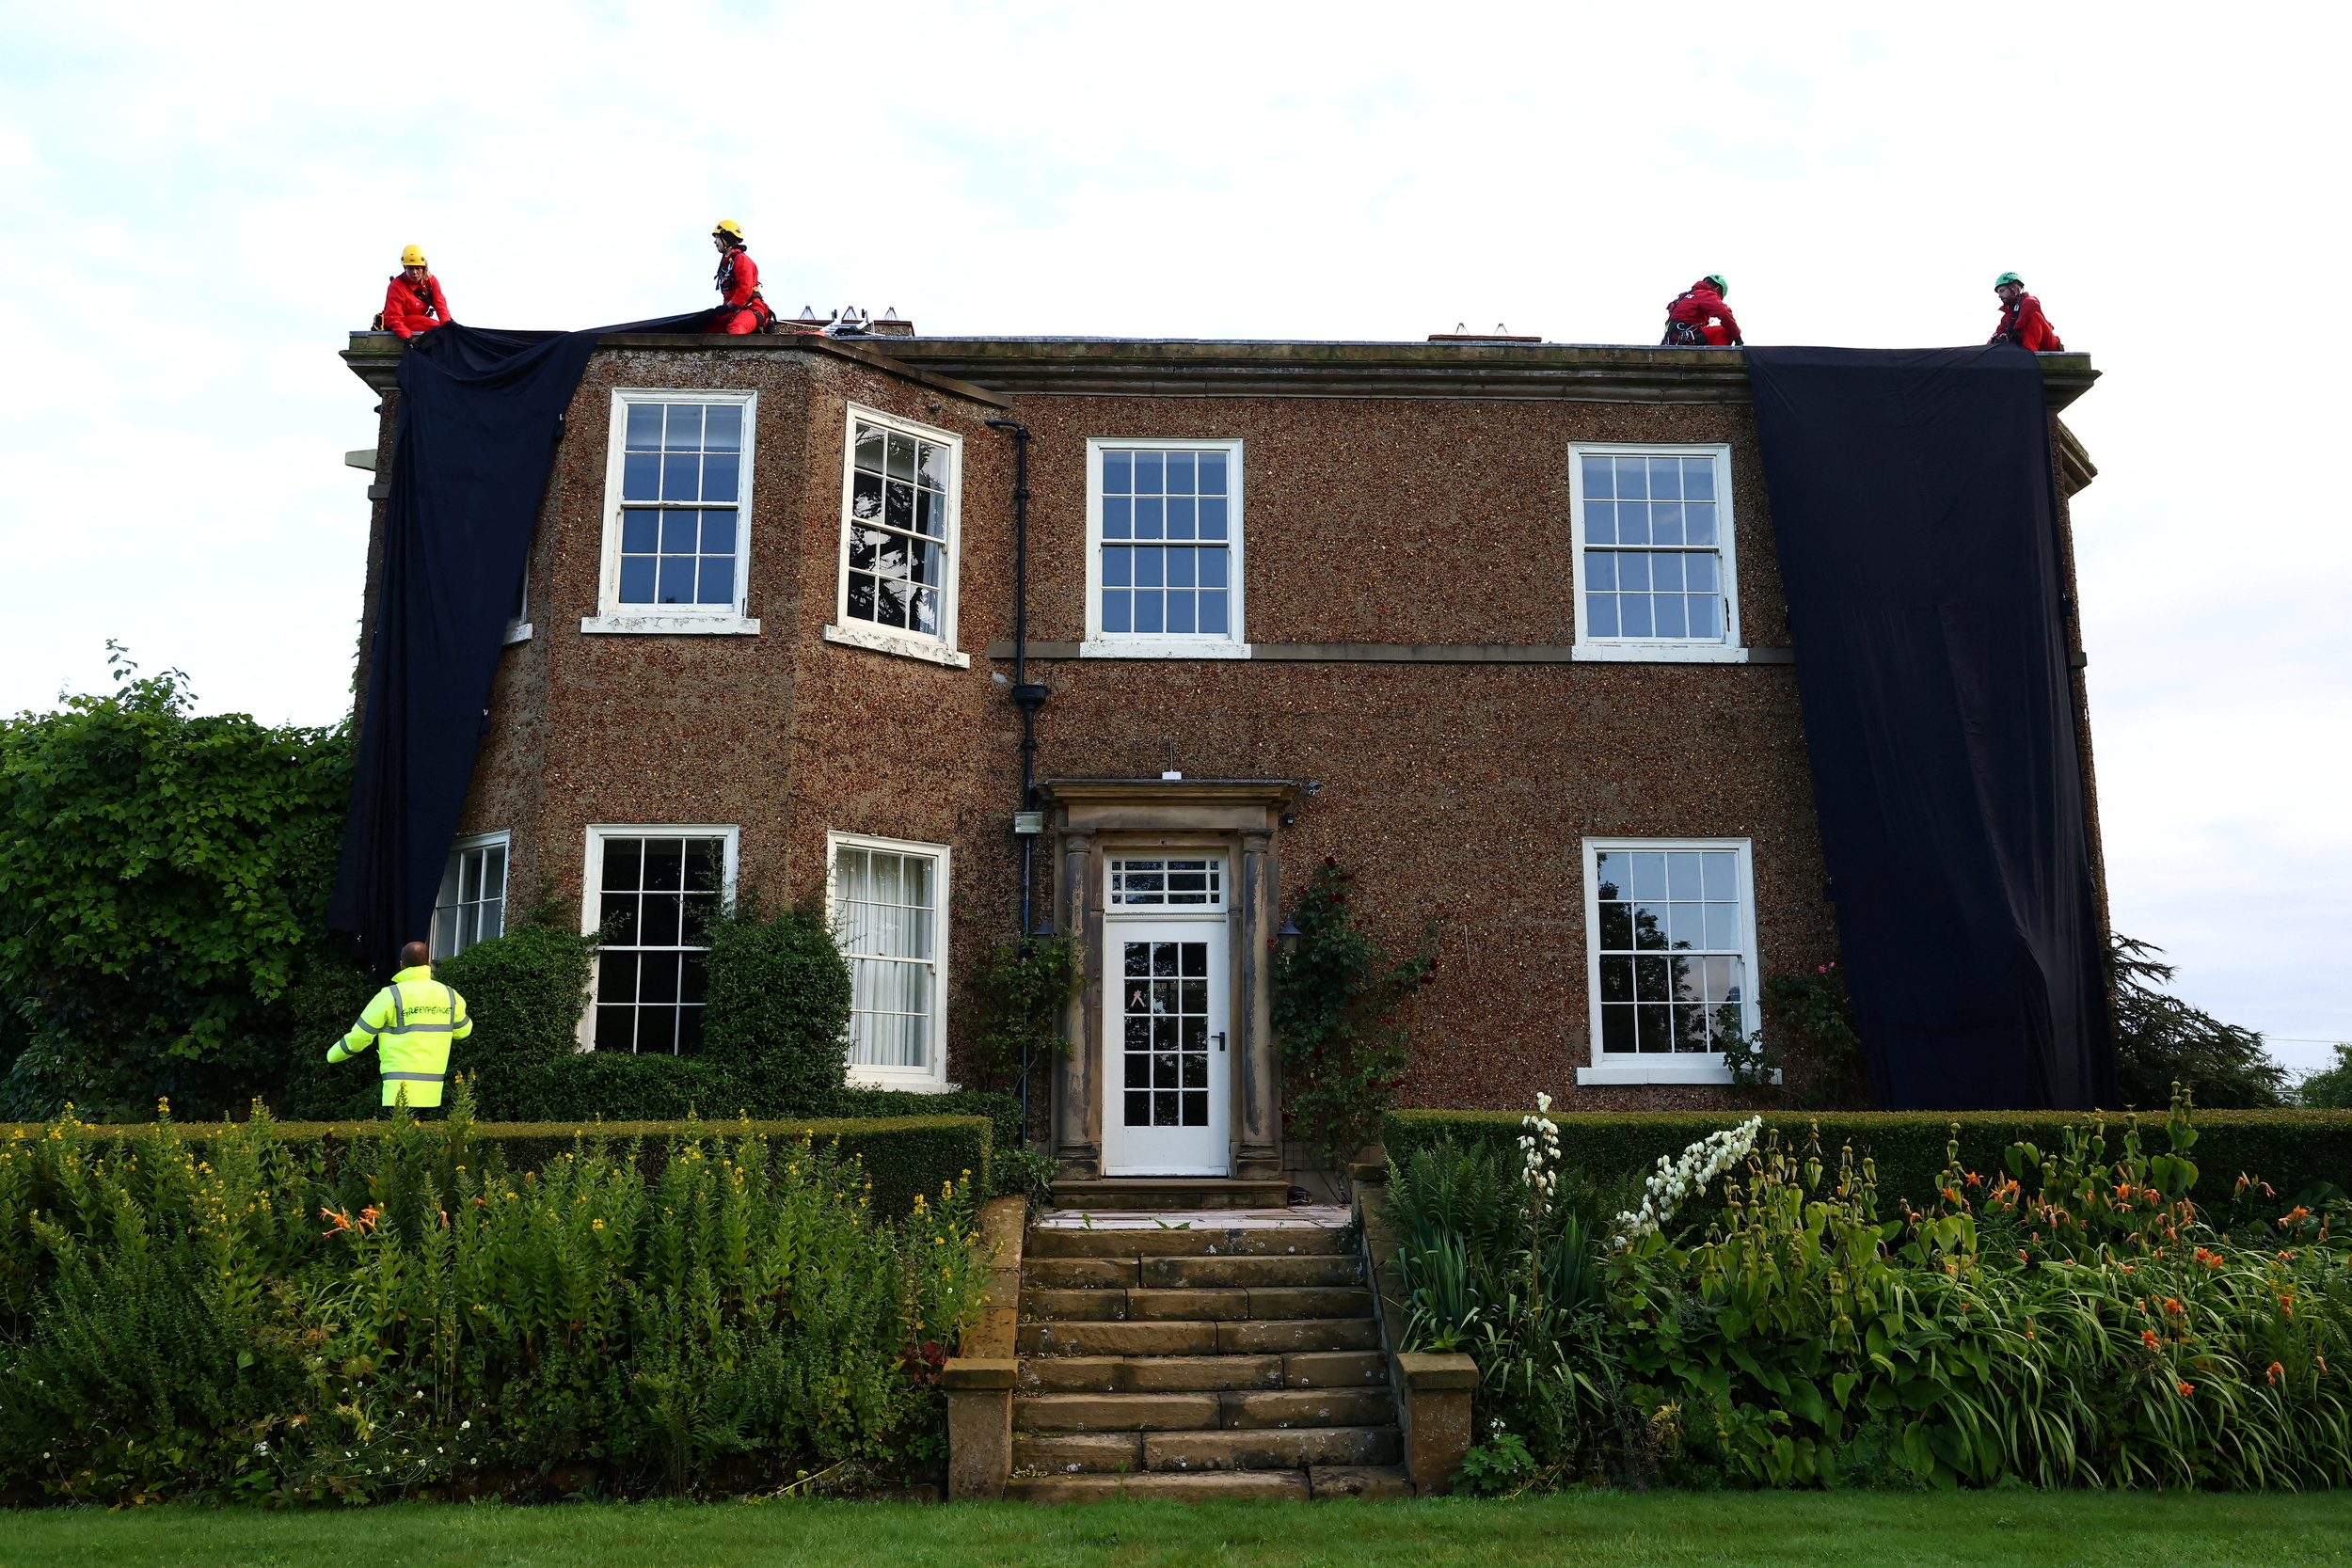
904	1156
2293	1150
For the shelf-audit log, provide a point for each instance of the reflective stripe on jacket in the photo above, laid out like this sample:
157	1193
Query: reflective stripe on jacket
409	1025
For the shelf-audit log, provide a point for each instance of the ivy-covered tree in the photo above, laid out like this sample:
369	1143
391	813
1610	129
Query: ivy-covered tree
1335	1005
162	880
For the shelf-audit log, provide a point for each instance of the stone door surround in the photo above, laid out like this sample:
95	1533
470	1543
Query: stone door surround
1094	819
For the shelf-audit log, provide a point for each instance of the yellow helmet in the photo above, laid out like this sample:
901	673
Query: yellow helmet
412	257
730	228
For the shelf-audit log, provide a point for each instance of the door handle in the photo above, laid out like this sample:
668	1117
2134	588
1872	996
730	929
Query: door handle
1219	1037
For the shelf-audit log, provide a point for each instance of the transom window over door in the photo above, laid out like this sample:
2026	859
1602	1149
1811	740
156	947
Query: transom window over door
899	529
887	902
679	539
1166	544
656	892
1673	945
1653	538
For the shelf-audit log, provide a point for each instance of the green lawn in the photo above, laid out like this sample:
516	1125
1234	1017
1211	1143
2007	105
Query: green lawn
1877	1530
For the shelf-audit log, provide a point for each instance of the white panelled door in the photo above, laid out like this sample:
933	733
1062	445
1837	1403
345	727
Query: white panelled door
1169	1085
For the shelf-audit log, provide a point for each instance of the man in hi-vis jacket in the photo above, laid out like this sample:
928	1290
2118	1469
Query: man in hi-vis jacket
409	1025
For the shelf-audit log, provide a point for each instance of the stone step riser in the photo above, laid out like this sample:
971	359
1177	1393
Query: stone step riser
1259	1241
1279	1301
1107	1374
1250	1410
1229	1273
1253	1337
1272	1450
1319	1481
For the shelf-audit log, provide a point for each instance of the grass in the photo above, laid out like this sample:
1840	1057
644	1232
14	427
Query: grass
2079	1529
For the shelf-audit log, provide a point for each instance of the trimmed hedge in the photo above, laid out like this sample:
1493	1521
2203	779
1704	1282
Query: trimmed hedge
2292	1150
904	1156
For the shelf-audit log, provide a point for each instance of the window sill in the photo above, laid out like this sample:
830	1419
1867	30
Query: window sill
1156	647
690	625
1679	653
1704	1070
518	631
926	648
883	1078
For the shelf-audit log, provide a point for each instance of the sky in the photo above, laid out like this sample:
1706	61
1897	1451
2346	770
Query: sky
197	201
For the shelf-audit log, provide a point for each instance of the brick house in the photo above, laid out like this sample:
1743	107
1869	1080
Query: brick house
1496	623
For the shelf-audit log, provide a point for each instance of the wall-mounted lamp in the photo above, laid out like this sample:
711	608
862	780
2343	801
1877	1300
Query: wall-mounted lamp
1044	931
1028	822
1287	936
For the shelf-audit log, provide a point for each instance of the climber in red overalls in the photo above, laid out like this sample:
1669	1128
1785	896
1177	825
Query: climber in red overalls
744	309
413	302
2021	320
1698	318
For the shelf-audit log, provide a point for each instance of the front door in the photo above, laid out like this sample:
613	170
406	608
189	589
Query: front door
1168	1090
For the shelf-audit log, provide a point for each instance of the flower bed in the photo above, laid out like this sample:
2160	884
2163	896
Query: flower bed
2070	1317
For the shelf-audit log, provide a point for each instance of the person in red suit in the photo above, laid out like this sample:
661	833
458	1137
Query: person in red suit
2021	320
1698	318
413	302
743	308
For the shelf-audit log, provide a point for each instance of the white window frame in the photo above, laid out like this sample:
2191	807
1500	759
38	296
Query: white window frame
1228	645
933	1078
505	839
704	620
893	640
1727	649
592	886
1694	1066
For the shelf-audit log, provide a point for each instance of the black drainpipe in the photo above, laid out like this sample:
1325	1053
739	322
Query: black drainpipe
1030	697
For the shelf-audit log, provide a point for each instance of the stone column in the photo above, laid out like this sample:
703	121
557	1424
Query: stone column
1258	1109
1077	1078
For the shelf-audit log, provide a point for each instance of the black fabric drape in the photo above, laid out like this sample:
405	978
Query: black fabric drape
480	414
1918	525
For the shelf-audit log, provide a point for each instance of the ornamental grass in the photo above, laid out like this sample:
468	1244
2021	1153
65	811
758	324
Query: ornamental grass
2072	1320
248	1318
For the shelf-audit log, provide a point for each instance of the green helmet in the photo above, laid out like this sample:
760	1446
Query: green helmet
1722	287
2009	277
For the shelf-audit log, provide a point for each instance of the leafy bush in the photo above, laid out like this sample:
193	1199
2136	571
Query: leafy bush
2161	1040
2069	1317
779	1008
525	992
2329	1089
460	1324
162	880
1014	995
1335	1001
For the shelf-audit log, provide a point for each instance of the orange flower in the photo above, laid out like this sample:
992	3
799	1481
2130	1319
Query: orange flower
1974	1181
2187	1388
2173	1307
2211	1259
2147	1337
2272	1373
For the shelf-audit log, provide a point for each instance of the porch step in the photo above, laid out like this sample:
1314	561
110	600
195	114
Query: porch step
1170	1192
1190	1358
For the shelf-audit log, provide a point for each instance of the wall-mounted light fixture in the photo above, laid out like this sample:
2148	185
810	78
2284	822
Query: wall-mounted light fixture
1287	936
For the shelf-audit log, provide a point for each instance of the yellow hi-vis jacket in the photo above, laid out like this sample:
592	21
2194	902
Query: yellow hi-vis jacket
410	1024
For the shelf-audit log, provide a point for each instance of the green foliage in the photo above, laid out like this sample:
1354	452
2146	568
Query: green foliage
1335	1004
2291	1149
2329	1089
179	1323
779	1008
2071	1317
2161	1040
1816	1008
1015	993
525	992
162	883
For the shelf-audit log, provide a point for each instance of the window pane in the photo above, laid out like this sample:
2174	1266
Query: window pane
723	427
1179	473
719	477
1212	565
1213	517
1119	518
685	431
1213	476
1598	483
869	449
641	477
1632	479
899	455
1601	523
644	427
1118	473
1149	469
1698	478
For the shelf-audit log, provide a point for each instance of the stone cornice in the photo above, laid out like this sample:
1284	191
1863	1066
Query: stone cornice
1576	373
375	357
1167	805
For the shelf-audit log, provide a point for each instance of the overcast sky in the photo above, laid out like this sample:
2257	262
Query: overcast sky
197	201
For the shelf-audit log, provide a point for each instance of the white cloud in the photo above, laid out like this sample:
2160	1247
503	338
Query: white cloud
200	200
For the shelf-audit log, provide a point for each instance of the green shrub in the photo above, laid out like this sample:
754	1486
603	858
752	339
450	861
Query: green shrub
525	992
779	1010
2331	1088
1335	1004
614	1085
2161	1040
163	875
1014	998
693	1312
2289	1150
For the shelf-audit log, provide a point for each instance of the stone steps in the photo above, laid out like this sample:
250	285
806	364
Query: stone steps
1199	1358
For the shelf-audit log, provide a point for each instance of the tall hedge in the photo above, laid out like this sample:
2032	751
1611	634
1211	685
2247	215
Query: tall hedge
779	1004
2293	1150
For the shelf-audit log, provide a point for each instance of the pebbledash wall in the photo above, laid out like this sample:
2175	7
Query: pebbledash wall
1412	681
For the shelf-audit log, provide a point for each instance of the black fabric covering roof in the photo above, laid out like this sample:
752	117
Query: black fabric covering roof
1917	526
480	414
